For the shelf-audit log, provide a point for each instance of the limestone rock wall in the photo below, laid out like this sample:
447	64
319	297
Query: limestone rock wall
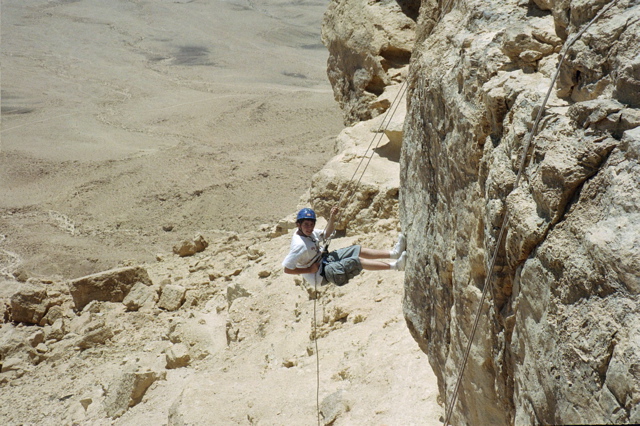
558	343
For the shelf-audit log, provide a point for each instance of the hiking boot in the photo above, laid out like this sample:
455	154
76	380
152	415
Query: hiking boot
399	264
400	246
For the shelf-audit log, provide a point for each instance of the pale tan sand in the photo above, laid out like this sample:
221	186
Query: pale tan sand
119	119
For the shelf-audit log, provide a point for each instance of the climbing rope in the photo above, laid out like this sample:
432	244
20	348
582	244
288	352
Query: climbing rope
384	125
378	135
315	340
505	222
351	188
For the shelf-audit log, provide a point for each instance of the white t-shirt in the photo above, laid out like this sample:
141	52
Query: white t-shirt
302	252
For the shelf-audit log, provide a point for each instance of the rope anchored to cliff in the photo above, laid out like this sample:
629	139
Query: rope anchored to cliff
378	135
384	125
505	222
351	188
349	194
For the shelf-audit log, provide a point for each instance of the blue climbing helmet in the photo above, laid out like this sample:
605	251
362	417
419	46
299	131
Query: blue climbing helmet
306	213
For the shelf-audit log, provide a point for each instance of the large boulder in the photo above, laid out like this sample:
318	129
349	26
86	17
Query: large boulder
14	342
172	297
140	296
107	286
128	388
29	304
191	247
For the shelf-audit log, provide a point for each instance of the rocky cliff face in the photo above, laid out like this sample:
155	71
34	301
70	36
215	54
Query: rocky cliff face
368	43
558	340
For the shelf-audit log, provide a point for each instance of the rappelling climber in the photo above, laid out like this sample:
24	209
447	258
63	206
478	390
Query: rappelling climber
306	256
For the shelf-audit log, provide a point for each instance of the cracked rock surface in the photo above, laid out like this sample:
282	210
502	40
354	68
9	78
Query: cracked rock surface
558	342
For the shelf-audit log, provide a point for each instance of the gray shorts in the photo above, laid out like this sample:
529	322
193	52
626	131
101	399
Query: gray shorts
341	265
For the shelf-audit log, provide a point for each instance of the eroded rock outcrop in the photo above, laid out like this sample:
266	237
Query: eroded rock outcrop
108	286
363	178
29	304
554	343
368	43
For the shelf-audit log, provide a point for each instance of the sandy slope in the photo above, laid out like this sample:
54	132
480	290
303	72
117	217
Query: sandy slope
371	370
121	118
127	126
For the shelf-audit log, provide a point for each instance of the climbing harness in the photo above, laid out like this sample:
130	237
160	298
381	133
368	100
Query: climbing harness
505	222
351	188
324	251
